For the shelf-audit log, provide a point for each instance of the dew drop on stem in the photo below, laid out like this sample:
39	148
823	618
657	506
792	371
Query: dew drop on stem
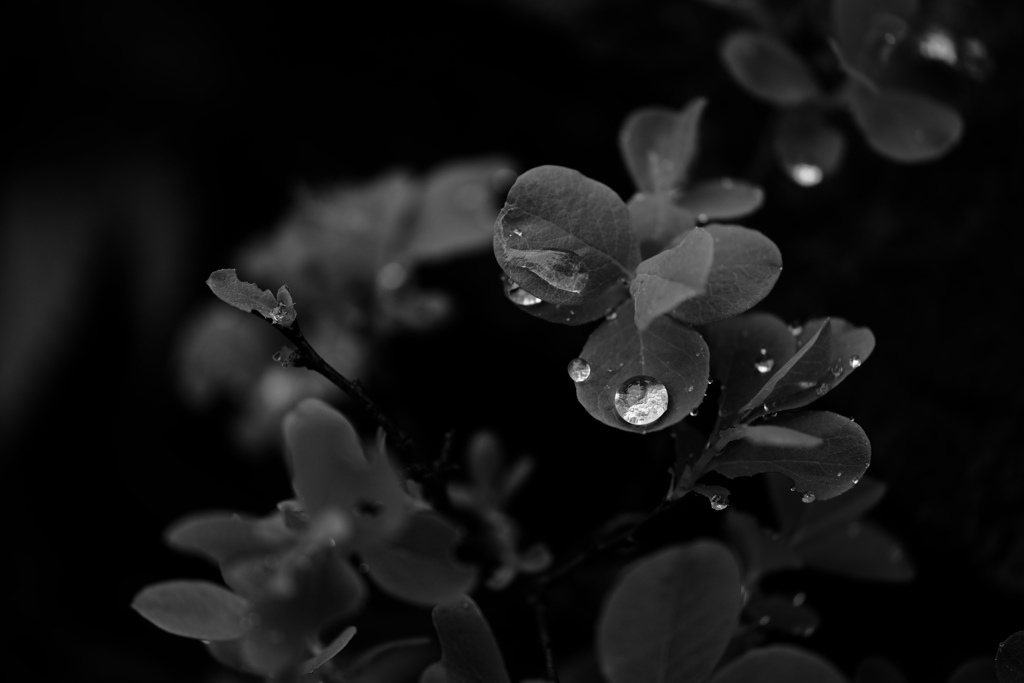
641	400
579	370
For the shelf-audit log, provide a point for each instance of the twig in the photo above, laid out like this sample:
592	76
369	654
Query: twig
539	613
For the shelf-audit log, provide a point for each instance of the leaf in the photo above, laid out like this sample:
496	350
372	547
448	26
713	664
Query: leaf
658	222
225	537
564	237
469	652
878	670
745	267
659	145
827	515
670	615
667	279
247	297
761	553
850	347
783	614
329	470
853	20
774	435
860	551
571	315
778	664
796	382
194	609
824	471
671	353
457	214
737	360
722	199
787	503
905	126
417	565
808	148
977	670
332	649
766	67
1010	659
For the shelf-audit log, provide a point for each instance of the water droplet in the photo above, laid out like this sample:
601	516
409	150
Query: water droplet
763	621
579	370
693	413
764	365
391	276
702	218
689	388
837	369
807	497
806	175
561	269
641	400
805	384
612	316
855	362
276	357
521	297
799	599
822	388
517	233
796	330
718	503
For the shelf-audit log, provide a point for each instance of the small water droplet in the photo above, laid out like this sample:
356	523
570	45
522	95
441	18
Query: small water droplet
521	297
805	384
702	218
855	362
856	481
837	369
579	370
612	316
807	498
689	388
641	400
792	490
693	413
718	503
763	621
799	599
839	475
806	175
391	276
764	365
517	233
822	388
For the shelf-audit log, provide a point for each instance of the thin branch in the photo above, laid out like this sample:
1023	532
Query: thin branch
539	613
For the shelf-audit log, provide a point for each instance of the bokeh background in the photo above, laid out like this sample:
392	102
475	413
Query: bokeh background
146	141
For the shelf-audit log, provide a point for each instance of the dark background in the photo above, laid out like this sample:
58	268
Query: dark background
146	140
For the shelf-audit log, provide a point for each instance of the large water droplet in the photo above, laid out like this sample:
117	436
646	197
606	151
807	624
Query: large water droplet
521	297
641	400
702	218
806	175
579	370
855	362
562	270
808	497
718	503
765	365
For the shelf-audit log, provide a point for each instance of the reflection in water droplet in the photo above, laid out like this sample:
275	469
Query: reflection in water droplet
702	218
611	315
822	388
579	370
856	481
718	503
808	497
837	369
765	365
521	297
855	362
641	400
806	175
562	270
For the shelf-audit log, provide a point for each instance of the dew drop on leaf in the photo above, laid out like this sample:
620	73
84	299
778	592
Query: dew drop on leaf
764	365
612	316
837	370
641	400
855	362
718	503
579	370
806	175
808	497
822	388
562	270
521	297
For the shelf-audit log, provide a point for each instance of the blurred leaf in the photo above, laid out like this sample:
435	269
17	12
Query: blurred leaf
332	649
659	146
470	654
745	267
225	537
564	237
761	552
774	435
850	347
824	471
670	615
768	69
808	148
417	565
247	297
658	222
568	314
1010	659
722	199
778	664
667	279
977	670
194	609
828	515
667	351
795	383
457	215
860	551
853	20
228	653
904	126
737	360
780	613
330	471
878	670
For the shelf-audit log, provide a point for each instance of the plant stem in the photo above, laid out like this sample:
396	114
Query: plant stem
539	613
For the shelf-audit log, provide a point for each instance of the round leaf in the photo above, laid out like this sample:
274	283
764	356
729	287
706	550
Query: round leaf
808	148
860	551
658	222
564	237
825	471
745	267
1010	659
670	616
779	664
469	652
659	146
194	609
904	126
722	199
977	670
672	353
768	69
737	358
